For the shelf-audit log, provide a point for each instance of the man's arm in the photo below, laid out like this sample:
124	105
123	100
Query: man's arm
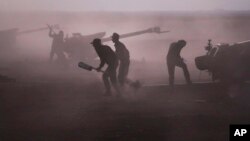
102	63
50	33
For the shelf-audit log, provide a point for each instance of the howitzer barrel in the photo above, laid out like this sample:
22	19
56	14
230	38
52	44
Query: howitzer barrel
32	30
79	45
37	29
131	34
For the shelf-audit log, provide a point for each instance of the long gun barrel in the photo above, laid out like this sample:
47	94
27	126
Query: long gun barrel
37	29
149	30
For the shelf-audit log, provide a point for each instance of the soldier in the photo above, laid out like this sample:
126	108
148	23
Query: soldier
174	59
107	56
57	46
124	60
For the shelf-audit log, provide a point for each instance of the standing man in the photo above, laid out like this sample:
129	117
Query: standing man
57	45
174	59
107	56
122	54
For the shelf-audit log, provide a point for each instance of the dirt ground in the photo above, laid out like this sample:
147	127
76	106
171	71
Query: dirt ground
49	103
72	109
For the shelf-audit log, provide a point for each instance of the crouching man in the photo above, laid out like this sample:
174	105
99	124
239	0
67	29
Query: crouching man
107	56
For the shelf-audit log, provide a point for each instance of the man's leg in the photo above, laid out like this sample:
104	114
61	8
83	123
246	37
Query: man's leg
171	68
123	73
185	71
113	78
134	84
126	70
62	59
105	78
51	55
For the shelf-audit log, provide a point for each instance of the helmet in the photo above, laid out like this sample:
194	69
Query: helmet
96	41
115	36
182	42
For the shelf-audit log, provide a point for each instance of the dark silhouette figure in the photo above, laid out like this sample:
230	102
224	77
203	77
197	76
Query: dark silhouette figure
57	46
107	56
122	54
174	59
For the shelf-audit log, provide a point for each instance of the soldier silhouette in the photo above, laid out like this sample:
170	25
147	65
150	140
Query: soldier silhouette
57	46
107	56
174	59
122	54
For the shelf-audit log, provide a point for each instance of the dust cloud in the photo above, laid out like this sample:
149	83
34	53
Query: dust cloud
148	51
54	102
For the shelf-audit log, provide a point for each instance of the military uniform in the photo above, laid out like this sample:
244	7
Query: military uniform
57	46
107	56
123	57
174	59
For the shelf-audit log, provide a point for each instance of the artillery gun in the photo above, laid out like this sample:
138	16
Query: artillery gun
78	46
227	63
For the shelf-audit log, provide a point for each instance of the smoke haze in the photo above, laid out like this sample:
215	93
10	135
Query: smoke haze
49	101
195	28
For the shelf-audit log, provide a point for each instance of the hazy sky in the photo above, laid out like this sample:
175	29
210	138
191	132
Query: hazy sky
124	5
